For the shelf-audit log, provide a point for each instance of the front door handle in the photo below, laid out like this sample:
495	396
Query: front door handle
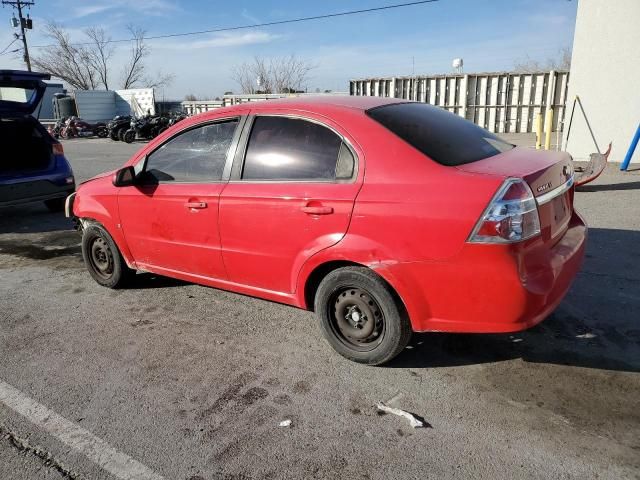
198	205
317	210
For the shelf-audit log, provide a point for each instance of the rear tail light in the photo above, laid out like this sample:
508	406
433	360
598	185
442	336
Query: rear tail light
57	149
512	215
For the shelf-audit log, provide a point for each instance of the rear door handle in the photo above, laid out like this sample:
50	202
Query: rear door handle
317	210
196	205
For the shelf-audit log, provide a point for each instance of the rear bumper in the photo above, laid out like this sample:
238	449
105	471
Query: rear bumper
20	193
491	289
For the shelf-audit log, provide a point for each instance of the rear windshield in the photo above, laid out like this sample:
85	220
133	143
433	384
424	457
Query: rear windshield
444	137
16	94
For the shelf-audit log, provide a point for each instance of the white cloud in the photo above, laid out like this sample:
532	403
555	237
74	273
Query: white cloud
147	7
221	40
85	11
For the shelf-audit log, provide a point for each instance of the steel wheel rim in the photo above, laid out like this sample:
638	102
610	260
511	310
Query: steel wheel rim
356	318
101	258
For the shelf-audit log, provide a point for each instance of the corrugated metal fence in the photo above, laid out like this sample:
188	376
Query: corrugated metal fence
504	102
193	107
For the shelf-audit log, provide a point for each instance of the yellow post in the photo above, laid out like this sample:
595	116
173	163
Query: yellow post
549	125
538	131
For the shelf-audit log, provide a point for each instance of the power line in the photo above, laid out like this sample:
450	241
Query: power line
18	4
7	47
265	24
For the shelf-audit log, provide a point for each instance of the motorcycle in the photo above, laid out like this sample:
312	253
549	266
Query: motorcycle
173	119
143	128
117	126
77	127
55	129
159	125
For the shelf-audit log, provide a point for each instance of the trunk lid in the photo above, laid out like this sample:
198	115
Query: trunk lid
549	174
21	92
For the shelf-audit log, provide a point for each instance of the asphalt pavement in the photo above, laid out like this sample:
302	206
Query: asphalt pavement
177	381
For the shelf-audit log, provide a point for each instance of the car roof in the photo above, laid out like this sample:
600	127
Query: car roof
312	103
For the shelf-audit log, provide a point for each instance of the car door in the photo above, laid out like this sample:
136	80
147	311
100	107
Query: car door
291	194
170	216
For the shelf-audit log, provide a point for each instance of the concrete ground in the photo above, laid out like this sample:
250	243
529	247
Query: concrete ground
172	380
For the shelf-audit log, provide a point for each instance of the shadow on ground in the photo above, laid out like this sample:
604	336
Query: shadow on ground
596	326
609	187
35	218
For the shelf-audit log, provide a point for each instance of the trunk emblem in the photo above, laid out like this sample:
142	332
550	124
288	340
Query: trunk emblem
544	187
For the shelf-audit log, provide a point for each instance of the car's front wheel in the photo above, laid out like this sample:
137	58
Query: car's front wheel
361	316
103	259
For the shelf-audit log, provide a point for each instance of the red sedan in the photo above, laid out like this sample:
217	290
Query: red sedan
384	217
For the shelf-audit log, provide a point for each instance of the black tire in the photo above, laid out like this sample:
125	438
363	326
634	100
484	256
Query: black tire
113	134
121	134
129	136
361	316
102	132
103	259
55	205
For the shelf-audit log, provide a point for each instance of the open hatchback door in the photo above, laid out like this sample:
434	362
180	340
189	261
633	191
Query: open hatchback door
21	92
33	166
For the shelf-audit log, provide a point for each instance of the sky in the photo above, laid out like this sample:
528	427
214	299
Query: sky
490	35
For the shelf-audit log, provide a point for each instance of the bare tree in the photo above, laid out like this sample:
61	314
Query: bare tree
66	61
562	61
87	65
99	53
277	75
134	73
289	73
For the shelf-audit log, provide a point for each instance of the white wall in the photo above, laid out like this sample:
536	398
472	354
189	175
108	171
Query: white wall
103	105
139	101
605	73
95	105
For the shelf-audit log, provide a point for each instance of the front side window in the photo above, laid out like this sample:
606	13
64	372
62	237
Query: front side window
197	155
282	148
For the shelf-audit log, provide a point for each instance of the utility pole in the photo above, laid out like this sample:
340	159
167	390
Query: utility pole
25	23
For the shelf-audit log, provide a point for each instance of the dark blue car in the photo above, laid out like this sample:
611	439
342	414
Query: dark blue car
33	167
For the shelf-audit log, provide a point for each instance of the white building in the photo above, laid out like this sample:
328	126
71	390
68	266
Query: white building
605	68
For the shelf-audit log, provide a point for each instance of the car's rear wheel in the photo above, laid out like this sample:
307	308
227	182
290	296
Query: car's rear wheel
361	316
103	259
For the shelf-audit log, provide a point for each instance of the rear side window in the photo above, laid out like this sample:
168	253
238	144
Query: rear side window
282	148
444	137
197	155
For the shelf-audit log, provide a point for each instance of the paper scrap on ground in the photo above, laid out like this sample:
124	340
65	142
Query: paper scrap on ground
413	421
285	423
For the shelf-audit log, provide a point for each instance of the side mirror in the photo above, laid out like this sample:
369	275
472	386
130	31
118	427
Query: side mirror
124	177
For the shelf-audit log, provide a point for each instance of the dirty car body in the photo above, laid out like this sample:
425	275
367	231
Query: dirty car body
385	217
33	167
